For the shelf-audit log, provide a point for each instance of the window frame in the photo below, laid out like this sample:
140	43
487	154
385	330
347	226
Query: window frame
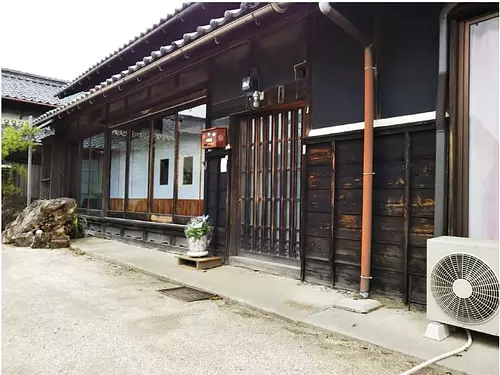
460	226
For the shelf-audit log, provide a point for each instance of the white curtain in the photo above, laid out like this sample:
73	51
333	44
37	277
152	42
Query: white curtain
483	122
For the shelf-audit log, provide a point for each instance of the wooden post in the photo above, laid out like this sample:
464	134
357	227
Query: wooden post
28	177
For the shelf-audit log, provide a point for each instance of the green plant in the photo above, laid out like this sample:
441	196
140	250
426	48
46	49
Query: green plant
198	228
15	139
79	224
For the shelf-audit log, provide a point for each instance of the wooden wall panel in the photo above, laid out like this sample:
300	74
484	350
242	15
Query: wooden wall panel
185	207
403	212
317	261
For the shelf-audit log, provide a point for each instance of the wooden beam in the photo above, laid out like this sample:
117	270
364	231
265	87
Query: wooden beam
332	216
406	215
294	91
127	169
151	168
176	165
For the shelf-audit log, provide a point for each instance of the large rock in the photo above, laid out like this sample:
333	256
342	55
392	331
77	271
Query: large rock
12	206
41	222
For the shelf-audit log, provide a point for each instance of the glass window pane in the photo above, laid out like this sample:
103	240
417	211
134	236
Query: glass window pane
117	171
164	153
84	170
138	168
483	130
96	170
190	162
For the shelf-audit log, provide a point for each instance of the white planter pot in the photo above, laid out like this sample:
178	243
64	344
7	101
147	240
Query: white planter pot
197	248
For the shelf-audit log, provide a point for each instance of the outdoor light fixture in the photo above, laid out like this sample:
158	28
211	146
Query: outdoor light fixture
249	84
256	98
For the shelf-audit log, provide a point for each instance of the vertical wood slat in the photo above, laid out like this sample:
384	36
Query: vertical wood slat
150	168
284	123
406	215
106	172
247	127
293	180
265	147
255	128
127	169
332	217
274	135
176	165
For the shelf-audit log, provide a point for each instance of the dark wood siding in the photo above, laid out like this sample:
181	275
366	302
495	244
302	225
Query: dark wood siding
403	208
318	214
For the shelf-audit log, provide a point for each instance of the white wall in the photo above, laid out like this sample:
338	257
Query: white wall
190	145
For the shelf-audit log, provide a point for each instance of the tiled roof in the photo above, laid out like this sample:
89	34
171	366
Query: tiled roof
161	23
45	132
214	24
18	85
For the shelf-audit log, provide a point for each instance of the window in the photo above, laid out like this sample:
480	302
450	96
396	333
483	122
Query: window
139	168
91	169
187	174
164	172
117	171
478	135
163	151
157	168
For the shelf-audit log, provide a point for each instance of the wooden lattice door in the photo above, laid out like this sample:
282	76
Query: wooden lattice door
270	189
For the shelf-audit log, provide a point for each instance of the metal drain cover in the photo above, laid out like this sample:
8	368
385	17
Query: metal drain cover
187	294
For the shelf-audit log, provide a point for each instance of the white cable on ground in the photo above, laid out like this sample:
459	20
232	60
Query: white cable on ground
442	356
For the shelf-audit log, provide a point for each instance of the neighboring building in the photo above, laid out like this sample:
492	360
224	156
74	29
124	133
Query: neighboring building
292	192
23	95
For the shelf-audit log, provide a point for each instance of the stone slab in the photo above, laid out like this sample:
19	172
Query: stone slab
360	306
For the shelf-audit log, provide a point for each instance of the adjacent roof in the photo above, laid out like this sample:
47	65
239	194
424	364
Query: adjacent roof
214	24
33	88
44	132
137	47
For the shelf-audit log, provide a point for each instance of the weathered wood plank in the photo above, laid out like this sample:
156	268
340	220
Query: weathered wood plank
387	283
317	247
423	174
319	154
422	203
318	201
318	224
319	177
387	202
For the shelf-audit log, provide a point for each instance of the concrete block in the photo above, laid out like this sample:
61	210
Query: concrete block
360	306
438	331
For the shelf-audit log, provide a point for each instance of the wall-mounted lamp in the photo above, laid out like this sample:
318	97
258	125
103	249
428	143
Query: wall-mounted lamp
249	84
256	99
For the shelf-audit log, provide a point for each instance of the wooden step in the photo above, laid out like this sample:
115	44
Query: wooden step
203	263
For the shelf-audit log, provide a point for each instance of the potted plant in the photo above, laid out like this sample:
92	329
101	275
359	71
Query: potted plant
198	233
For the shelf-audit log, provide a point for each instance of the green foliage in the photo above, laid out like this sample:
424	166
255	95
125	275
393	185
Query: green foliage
79	224
9	187
198	232
17	139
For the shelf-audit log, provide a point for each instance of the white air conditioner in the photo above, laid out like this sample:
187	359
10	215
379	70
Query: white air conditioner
462	283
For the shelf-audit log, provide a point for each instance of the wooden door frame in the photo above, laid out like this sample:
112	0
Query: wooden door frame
460	201
233	247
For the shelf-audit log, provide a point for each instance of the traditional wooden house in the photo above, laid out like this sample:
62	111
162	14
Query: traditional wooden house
346	137
23	95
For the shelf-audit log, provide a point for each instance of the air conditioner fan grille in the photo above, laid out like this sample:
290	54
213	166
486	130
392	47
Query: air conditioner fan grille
465	288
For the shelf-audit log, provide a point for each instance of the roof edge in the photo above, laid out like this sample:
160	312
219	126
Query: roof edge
35	76
185	8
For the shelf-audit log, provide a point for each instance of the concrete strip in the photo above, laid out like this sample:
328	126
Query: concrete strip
360	306
305	304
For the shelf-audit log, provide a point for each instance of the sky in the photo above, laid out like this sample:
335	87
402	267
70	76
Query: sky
62	39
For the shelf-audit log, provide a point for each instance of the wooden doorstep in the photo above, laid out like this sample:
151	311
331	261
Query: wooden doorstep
199	263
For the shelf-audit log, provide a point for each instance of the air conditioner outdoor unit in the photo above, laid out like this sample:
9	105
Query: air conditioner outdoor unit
462	283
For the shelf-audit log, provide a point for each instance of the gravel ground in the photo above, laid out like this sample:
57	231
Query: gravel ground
69	314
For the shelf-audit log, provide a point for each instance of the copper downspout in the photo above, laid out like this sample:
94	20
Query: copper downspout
366	226
366	229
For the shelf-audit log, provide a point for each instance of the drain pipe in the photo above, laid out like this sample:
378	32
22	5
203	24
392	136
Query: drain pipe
441	147
366	229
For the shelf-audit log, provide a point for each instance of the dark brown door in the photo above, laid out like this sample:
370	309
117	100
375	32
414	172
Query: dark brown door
216	199
270	188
